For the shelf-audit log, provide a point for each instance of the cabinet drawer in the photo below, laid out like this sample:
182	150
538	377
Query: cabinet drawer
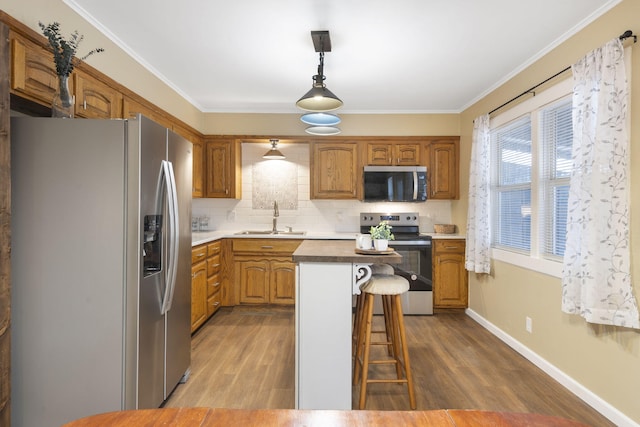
448	245
213	284
213	303
213	265
265	245
199	253
213	248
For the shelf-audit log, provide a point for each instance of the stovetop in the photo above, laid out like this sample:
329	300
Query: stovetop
404	225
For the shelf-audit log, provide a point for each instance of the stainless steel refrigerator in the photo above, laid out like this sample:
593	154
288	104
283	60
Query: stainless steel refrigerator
101	267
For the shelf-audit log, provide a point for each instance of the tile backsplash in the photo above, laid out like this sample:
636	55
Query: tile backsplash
287	181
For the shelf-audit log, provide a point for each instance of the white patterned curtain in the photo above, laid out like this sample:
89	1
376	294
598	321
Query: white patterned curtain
477	256
596	279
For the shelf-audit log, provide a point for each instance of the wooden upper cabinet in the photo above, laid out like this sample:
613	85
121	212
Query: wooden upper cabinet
392	154
197	188
33	72
95	99
334	170
131	108
223	173
442	159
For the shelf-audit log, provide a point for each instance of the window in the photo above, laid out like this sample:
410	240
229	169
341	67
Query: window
530	168
511	195
556	137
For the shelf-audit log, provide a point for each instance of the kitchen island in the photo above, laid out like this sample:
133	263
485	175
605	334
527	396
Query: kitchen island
329	273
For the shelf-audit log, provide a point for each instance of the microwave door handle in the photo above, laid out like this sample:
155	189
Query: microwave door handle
415	185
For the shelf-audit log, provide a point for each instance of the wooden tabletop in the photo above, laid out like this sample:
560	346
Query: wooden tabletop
339	251
209	417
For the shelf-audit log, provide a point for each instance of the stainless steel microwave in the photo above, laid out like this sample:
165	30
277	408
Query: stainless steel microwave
395	183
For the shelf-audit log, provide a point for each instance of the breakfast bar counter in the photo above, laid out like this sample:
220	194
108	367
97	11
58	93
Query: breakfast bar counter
329	273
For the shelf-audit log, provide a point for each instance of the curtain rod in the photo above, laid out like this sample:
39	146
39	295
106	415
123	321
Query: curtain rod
623	36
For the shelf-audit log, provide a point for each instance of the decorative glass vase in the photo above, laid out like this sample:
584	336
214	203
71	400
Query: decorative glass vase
63	102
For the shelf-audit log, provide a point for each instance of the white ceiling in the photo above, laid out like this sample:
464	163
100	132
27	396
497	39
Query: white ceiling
403	56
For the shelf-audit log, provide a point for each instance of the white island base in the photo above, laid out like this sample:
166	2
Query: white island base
328	272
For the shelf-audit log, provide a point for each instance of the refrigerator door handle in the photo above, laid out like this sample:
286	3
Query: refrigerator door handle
174	234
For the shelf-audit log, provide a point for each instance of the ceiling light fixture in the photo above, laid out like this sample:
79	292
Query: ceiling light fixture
322	130
320	119
319	98
273	153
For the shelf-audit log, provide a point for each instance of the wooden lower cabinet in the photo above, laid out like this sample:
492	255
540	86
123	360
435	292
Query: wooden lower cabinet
264	270
282	282
450	281
266	281
198	286
253	278
206	282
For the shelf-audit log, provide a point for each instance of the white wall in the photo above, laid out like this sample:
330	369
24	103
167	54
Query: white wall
311	215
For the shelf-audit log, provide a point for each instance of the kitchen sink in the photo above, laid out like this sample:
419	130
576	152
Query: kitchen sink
269	232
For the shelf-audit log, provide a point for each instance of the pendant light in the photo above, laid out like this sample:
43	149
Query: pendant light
319	98
273	153
320	119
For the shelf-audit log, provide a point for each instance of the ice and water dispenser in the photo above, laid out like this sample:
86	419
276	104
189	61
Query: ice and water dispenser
152	245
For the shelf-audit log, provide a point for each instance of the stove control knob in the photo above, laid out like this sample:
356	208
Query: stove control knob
415	218
408	218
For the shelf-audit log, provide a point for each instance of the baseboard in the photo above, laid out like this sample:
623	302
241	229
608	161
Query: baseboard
590	398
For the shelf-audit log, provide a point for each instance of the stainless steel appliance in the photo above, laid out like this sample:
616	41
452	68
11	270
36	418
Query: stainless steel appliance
395	183
416	258
101	267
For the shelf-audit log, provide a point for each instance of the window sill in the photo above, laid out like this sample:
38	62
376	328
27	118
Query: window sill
544	266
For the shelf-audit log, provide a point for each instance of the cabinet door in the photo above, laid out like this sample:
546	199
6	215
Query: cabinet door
253	277
33	73
222	164
282	282
379	154
95	99
450	283
442	169
334	171
406	154
197	189
198	294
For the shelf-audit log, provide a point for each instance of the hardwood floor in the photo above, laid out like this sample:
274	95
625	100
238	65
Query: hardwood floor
243	357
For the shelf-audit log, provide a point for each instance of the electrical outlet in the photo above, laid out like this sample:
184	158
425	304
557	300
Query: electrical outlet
529	324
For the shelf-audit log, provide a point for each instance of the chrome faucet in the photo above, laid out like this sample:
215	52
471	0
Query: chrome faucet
276	214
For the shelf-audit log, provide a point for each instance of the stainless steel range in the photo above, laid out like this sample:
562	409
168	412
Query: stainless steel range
416	257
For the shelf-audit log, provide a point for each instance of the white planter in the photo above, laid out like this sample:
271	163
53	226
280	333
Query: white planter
381	245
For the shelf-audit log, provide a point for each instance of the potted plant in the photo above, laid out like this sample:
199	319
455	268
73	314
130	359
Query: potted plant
64	57
381	234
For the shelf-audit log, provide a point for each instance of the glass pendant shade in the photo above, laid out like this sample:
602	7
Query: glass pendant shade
320	119
322	130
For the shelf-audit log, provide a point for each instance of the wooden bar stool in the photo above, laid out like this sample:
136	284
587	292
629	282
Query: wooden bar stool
376	269
390	287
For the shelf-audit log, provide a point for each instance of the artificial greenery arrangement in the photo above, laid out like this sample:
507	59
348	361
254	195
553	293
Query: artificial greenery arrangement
381	231
64	50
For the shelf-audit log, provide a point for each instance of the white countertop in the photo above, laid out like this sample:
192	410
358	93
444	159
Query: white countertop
201	237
